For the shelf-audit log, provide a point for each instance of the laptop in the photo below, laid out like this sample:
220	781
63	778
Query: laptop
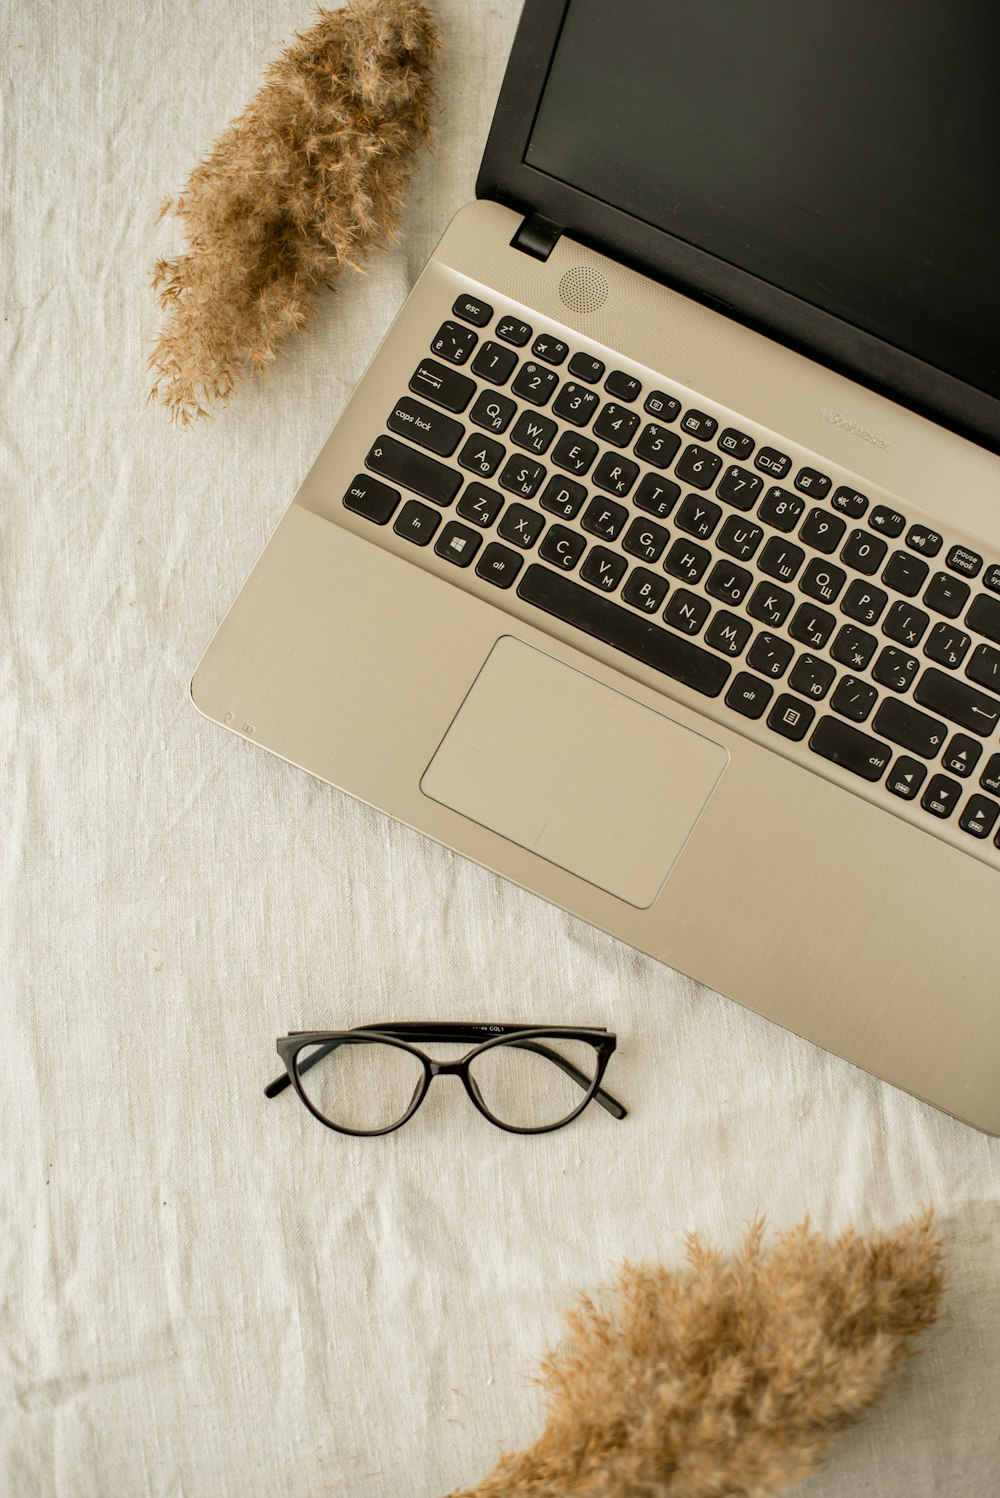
655	561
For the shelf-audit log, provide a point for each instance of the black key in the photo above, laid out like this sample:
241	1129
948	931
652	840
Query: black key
811	481
728	633
962	755
615	474
573	453
521	526
664	407
482	455
698	467
770	460
729	583
906	777
444	386
890	522
622	386
991	578
575	403
984	616
495	363
748	695
552	350
822	580
947	645
660	649
912	730
978	816
739	487
656	496
739	538
413	470
513	330
853	699
453	342
645	590
854	751
457	543
533	432
686	560
645	539
895	669
864	552
769	604
906	623
853	647
686	611
990	778
534	383
603	517
927	542
698	516
697	424
864	602
849	502
583	367
493	411
427	428
499	565
471	309
521	475
957	702
616	424
416	522
822	531
480	505
372	499
605	569
905	573
781	508
961	559
736	444
791	717
984	668
770	655
656	446
562	497
941	796
781	559
812	676
812	626
946	595
562	547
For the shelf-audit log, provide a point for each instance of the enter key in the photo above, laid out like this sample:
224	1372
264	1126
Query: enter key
959	703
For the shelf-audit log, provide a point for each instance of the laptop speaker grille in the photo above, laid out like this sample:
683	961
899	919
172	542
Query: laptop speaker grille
583	289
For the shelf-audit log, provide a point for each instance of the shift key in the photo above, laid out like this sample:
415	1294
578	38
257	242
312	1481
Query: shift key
414	471
960	704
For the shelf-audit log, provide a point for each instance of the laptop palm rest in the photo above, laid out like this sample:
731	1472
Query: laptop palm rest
574	771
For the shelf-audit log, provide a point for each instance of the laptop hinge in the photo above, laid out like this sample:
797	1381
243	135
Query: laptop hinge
537	236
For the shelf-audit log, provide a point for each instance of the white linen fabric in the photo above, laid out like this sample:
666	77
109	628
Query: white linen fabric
203	1293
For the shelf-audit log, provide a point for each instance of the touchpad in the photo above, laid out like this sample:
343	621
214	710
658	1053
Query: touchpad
574	771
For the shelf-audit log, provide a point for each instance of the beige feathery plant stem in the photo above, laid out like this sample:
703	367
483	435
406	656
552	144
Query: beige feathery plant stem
303	184
729	1377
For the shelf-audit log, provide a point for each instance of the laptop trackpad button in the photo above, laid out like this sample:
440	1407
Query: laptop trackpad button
574	771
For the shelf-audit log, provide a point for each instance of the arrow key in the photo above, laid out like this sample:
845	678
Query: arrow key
941	796
906	777
962	755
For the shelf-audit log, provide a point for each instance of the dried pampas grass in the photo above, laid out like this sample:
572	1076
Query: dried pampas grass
730	1377
304	183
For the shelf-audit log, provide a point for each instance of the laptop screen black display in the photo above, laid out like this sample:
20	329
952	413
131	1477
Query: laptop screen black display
848	152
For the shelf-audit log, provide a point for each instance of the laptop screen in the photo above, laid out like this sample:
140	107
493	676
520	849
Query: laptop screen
847	153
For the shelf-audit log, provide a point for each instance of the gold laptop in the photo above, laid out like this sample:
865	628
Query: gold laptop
655	562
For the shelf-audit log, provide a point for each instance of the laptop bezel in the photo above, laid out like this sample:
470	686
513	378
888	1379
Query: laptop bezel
506	177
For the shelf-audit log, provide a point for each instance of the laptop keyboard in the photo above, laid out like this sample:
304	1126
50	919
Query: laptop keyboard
686	544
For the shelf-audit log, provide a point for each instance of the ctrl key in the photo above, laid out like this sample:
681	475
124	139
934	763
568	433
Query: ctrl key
372	499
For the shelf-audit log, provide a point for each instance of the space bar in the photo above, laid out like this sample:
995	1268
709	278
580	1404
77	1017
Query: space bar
672	654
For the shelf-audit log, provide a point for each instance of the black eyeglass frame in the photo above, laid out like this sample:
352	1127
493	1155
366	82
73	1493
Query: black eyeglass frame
402	1035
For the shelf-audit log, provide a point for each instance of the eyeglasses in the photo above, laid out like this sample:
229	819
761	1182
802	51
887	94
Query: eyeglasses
372	1079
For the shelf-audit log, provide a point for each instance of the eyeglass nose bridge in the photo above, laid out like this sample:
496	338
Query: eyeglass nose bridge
447	1068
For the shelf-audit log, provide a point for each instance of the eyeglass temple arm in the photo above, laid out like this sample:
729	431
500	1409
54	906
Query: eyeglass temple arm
608	1103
